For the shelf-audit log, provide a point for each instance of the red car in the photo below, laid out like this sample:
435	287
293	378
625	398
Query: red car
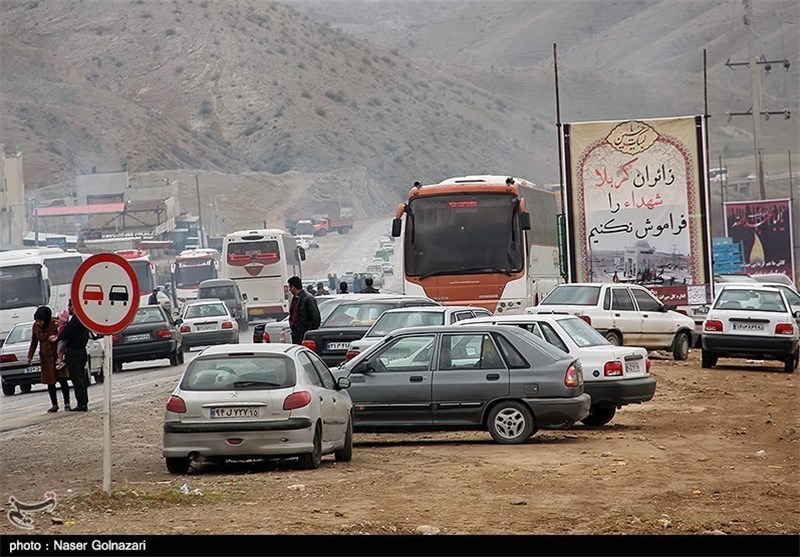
93	292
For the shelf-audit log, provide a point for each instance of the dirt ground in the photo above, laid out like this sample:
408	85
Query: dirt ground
686	462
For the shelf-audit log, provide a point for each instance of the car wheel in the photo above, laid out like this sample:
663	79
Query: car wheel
117	367
788	366
510	422
25	388
599	416
614	338
708	360
178	465
312	460
9	388
185	347
345	454
680	350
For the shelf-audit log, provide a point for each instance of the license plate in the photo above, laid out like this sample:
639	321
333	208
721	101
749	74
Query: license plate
632	367
33	369
143	336
337	346
201	328
759	327
235	412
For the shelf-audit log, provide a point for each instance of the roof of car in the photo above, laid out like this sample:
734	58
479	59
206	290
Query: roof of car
522	318
217	282
204	301
749	286
366	298
261	348
431	309
457	329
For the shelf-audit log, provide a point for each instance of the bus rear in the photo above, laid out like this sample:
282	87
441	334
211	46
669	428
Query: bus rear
145	271
23	288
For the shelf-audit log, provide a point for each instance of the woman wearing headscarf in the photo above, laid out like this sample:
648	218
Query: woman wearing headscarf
44	328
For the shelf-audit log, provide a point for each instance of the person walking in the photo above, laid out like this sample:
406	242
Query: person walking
331	282
44	329
369	289
303	311
76	336
358	283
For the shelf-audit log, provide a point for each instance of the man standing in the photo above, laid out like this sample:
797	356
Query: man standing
77	337
369	289
303	311
321	290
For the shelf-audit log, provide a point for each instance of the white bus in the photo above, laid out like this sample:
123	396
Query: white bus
145	271
190	268
261	262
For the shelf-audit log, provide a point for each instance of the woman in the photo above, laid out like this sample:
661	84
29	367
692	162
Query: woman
45	328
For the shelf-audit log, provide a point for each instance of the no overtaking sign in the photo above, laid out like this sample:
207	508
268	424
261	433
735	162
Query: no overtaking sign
105	293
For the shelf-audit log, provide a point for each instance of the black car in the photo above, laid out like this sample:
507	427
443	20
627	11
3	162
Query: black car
152	335
351	320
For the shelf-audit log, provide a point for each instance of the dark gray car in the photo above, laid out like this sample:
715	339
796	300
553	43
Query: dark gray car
496	378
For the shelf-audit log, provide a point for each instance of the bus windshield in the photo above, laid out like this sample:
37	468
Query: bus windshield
21	286
191	272
143	274
458	234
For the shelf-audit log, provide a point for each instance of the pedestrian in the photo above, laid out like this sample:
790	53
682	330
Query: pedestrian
77	337
331	282
303	311
44	329
358	283
615	278
310	289
343	288
321	290
153	299
369	289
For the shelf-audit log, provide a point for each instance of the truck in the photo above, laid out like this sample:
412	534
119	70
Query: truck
327	223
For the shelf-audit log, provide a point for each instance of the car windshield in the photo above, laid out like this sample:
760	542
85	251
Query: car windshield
20	333
355	315
225	372
148	315
572	296
750	300
206	310
220	292
581	333
389	322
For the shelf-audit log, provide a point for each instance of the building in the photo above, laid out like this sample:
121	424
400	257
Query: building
13	222
639	257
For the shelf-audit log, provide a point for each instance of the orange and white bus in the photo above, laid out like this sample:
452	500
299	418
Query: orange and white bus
488	241
190	268
145	271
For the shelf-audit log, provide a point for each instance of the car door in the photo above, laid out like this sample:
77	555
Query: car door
341	406
326	410
470	373
658	327
624	315
393	386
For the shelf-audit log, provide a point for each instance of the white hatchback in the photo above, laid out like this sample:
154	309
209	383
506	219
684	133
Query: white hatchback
751	321
614	376
205	322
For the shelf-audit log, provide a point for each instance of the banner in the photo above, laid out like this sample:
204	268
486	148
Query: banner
636	200
764	231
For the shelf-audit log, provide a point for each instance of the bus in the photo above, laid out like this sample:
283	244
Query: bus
145	271
61	269
190	268
261	262
487	241
24	286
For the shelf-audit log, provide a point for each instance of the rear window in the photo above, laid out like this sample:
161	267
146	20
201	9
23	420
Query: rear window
219	292
206	310
265	252
750	300
389	322
148	315
227	373
355	315
572	296
20	333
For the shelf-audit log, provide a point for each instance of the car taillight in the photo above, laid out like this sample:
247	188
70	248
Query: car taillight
310	344
285	292
297	400
784	329
571	377
176	404
265	337
115	339
185	328
8	358
586	318
713	325
647	364
612	369
351	354
282	338
227	325
164	333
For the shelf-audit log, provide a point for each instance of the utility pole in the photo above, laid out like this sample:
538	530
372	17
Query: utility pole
755	93
200	239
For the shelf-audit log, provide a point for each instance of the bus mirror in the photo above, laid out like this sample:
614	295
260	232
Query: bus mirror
397	227
525	220
302	253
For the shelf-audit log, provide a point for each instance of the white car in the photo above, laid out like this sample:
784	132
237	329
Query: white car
388	268
302	242
205	322
751	321
626	314
262	400
614	376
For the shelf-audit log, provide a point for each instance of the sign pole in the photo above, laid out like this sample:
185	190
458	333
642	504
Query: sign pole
108	344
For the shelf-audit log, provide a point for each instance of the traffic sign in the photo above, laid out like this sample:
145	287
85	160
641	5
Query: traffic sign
105	293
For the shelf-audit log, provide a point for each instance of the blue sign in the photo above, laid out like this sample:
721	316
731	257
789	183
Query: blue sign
728	257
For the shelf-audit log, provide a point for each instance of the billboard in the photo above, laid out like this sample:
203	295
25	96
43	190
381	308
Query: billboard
636	197
764	230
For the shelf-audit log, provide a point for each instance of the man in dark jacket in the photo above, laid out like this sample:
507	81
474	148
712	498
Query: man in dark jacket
76	335
303	311
369	289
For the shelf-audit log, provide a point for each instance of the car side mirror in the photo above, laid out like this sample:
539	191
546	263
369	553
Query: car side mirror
178	321
343	383
244	297
525	220
668	307
397	227
797	315
364	368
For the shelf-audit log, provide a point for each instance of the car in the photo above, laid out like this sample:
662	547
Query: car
267	400
472	377
351	320
388	268
614	376
119	293
626	314
382	254
775	278
733	278
228	291
751	321
93	293
388	247
302	242
375	271
400	318
16	372
313	243
279	331
207	322
152	335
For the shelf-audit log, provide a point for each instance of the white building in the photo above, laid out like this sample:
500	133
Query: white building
13	223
